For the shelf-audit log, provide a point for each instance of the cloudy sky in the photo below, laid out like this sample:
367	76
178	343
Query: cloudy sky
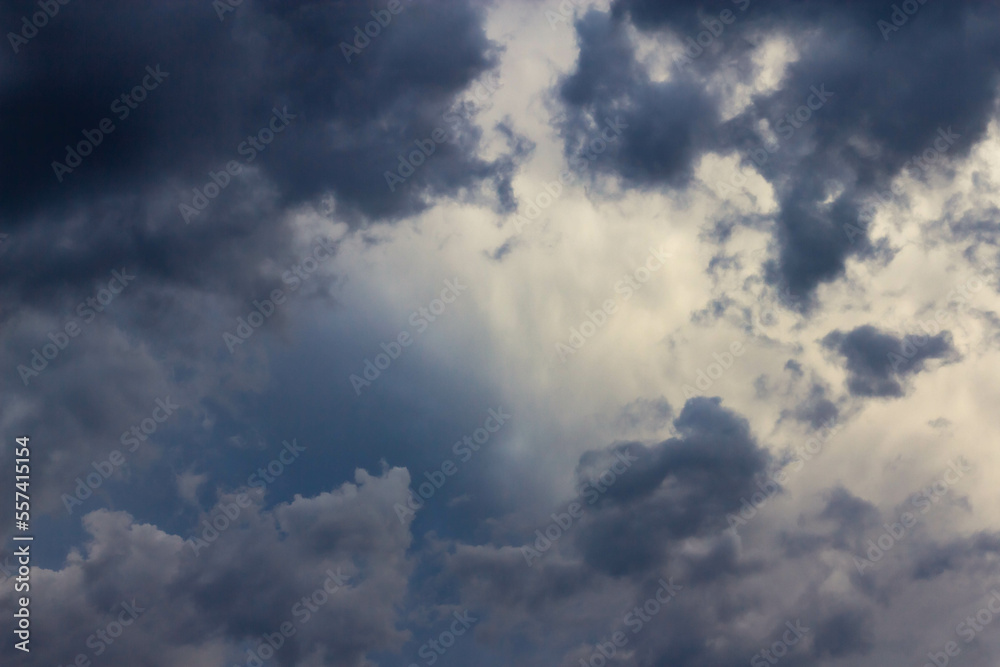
455	332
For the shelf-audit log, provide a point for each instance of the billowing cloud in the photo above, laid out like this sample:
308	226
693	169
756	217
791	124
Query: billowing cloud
491	333
878	362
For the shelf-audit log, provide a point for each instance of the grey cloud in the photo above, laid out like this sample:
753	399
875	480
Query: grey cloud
679	488
815	410
200	608
878	363
846	52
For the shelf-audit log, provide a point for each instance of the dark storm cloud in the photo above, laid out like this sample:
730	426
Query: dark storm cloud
346	125
747	588
205	86
878	362
679	488
218	82
822	168
664	124
664	517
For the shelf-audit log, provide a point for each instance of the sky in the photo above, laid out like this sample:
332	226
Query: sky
464	332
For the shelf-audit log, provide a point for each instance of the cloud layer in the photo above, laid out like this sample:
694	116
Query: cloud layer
272	272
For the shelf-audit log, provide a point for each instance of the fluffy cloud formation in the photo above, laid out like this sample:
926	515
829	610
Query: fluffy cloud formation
775	446
332	567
